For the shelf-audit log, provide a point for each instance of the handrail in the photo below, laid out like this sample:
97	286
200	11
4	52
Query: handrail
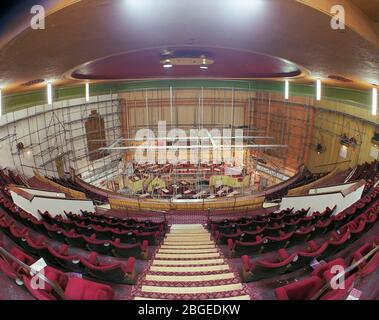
40	275
346	271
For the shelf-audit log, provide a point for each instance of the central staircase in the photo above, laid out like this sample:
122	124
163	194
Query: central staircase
189	266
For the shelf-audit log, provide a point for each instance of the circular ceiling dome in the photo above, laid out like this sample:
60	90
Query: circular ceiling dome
226	63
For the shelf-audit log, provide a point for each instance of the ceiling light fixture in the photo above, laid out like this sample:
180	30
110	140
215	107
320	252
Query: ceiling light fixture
204	65
87	92
374	101
167	63
49	93
286	90
318	90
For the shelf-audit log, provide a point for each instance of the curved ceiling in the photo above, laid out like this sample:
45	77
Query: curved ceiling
227	63
113	39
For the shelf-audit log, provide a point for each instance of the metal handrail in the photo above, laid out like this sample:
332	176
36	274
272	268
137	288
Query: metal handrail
33	272
346	271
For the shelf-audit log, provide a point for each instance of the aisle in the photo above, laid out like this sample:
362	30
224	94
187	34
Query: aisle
188	265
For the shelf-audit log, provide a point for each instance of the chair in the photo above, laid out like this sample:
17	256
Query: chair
13	269
262	269
151	237
66	261
301	235
136	250
74	239
115	272
80	289
276	243
239	248
300	290
100	246
304	258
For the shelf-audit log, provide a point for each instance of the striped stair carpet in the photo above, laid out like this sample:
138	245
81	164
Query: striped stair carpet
189	266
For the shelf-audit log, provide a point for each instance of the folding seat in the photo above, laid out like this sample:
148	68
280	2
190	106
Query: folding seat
321	227
221	238
114	272
137	250
300	290
66	224
13	269
226	229
261	269
239	248
84	229
340	294
326	214
18	235
307	221
304	258
74	239
337	221
151	237
155	228
249	236
45	291
277	219
370	266
358	229
39	226
39	248
66	261
335	244
276	243
98	245
46	217
55	232
126	236
301	235
371	218
102	233
273	230
303	212
291	225
249	226
324	271
5	226
80	289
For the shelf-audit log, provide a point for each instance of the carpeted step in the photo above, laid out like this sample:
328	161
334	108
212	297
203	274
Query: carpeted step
188	262
193	269
192	290
197	278
188	251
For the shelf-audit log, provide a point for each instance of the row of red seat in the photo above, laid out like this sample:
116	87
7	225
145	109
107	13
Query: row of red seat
323	275
290	262
61	257
299	226
74	288
106	247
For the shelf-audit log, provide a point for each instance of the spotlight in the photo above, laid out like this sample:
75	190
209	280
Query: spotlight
167	63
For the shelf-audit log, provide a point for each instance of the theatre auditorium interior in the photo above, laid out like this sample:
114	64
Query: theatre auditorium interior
189	150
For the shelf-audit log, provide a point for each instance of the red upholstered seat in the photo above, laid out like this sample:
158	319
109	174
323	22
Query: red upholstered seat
63	259
325	270
304	258
261	269
276	243
10	267
114	272
80	289
136	250
239	248
340	294
300	290
75	239
100	246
